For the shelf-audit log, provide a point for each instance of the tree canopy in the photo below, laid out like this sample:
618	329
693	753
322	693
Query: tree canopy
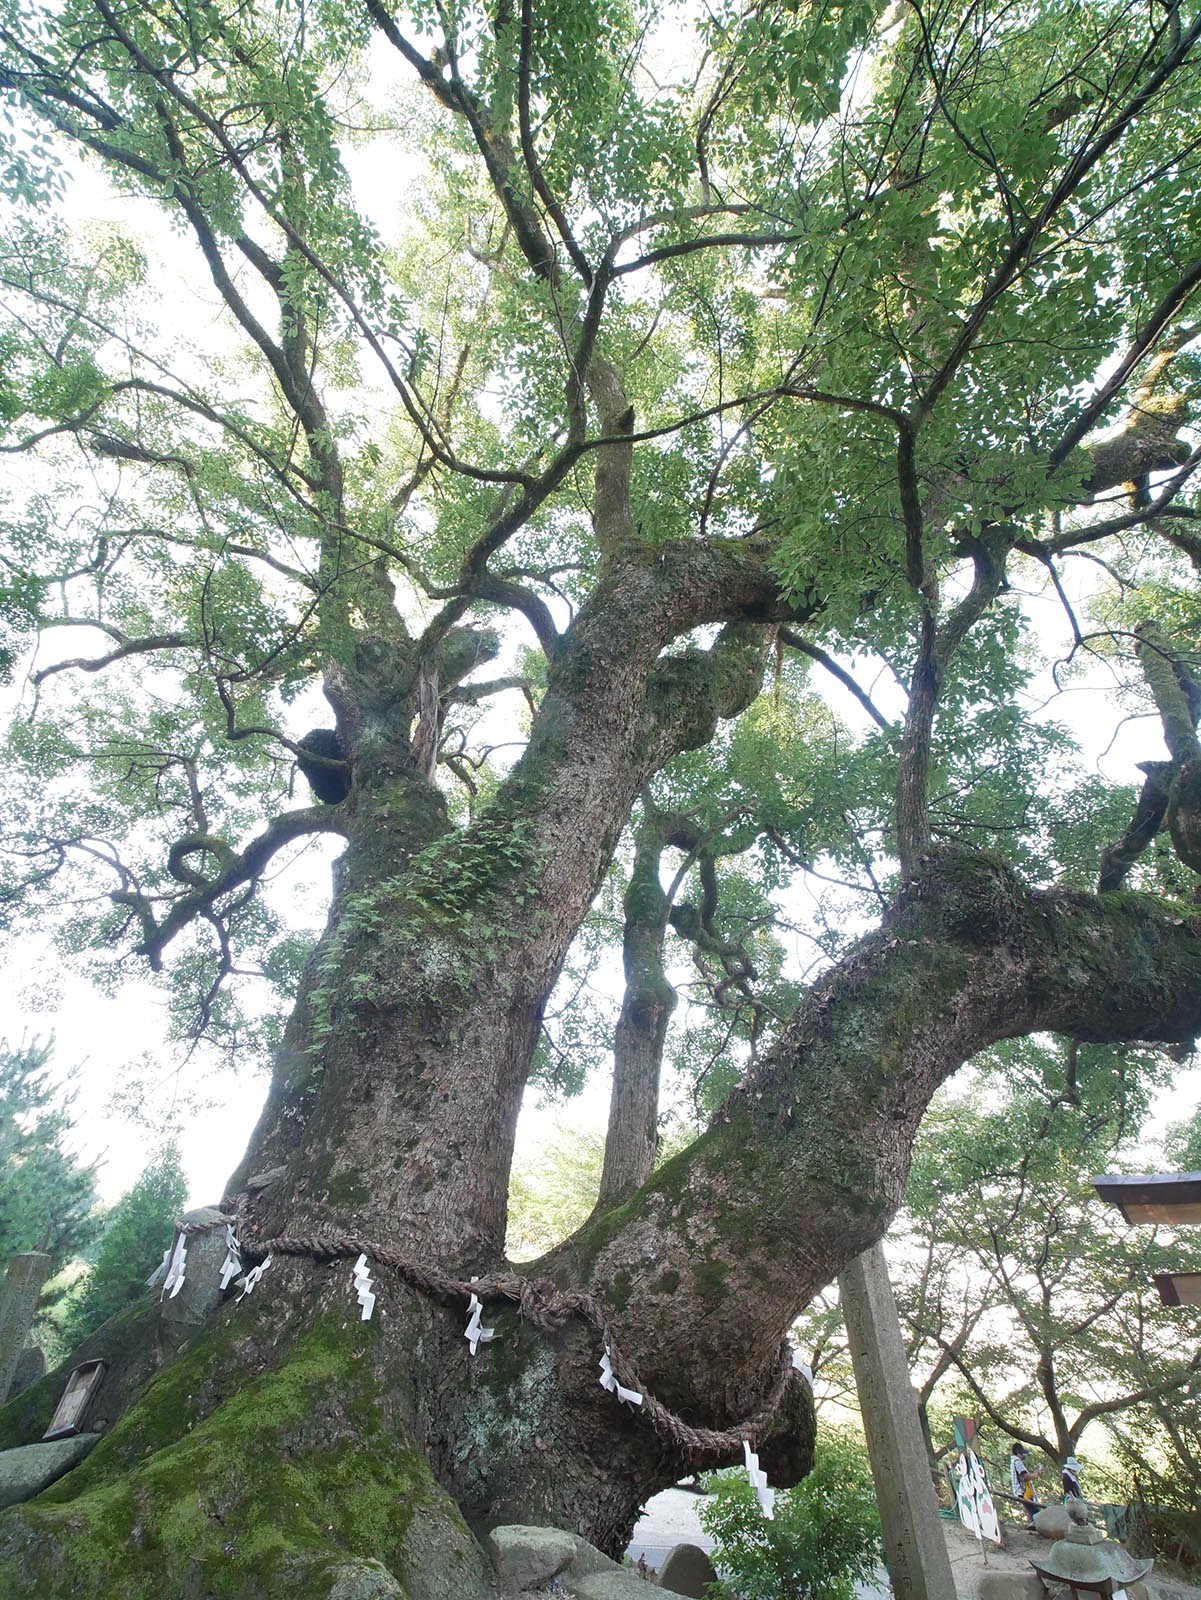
863	345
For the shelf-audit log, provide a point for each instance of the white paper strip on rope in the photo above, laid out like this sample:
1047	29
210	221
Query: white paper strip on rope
173	1282
474	1333
799	1364
765	1496
232	1265
160	1272
362	1287
253	1276
608	1380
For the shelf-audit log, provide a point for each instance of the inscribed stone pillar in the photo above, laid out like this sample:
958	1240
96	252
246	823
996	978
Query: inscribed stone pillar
18	1301
913	1539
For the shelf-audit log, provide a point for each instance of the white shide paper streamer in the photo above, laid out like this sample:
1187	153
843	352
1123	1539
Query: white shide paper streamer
232	1265
173	1282
474	1333
160	1272
362	1287
253	1276
608	1380
765	1496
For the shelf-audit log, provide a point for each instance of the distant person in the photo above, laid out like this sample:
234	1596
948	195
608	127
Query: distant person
1021	1481
1071	1480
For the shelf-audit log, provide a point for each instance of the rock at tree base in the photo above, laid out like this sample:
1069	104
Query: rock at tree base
199	1295
529	1557
1010	1586
30	1468
623	1583
533	1558
365	1580
1052	1522
687	1570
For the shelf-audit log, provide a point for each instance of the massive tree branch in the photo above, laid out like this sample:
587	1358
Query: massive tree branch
1149	812
237	870
1177	695
803	1166
638	1038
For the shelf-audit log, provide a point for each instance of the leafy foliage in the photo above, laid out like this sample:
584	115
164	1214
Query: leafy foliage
241	515
137	1230
47	1195
551	1194
823	1538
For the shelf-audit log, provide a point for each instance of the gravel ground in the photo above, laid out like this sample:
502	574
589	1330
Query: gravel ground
667	1520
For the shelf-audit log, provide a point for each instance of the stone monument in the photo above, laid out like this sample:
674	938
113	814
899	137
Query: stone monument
18	1302
916	1551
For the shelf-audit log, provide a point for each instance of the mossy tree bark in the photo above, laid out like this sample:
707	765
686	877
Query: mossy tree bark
292	1443
292	1449
641	1030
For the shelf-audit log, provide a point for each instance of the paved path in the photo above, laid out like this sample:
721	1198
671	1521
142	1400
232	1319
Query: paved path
667	1519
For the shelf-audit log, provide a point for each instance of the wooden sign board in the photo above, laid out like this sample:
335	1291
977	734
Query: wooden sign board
77	1397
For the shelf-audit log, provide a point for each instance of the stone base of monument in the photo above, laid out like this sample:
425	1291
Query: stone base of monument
1010	1586
30	1468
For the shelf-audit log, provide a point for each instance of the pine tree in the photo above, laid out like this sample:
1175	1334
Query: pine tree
136	1232
47	1196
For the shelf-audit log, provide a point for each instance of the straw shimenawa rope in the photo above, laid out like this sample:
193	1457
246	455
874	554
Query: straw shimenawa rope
546	1310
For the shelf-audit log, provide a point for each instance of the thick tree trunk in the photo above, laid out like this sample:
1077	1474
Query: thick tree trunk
803	1166
292	1441
641	1030
412	1041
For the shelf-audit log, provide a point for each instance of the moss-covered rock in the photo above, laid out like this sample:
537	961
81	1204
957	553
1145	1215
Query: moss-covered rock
241	1484
129	1347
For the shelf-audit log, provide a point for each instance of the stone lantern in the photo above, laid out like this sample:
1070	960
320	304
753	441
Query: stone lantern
1087	1563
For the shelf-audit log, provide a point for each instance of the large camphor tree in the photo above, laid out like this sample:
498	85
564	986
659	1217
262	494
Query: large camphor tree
709	341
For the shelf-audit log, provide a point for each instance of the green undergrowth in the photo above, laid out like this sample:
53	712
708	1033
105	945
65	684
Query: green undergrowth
290	1474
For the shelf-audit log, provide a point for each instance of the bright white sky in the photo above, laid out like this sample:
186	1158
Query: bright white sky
113	1038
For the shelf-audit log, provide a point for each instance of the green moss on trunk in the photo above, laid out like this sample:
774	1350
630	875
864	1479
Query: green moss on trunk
267	1489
